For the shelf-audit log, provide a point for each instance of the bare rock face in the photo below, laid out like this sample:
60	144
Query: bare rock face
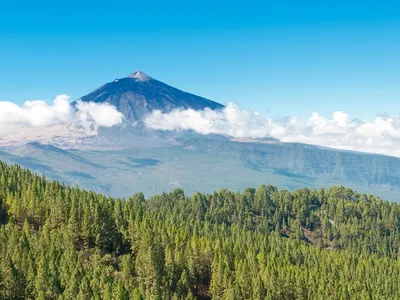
139	94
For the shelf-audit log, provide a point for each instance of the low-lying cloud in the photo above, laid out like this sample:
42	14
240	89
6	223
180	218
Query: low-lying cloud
381	135
61	121
38	120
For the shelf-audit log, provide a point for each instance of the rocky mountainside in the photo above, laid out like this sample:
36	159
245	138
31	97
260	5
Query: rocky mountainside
139	94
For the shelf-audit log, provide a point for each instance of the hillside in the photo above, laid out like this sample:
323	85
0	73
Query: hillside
207	164
58	242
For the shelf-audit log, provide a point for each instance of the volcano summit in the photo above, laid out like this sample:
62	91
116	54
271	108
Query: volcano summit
138	94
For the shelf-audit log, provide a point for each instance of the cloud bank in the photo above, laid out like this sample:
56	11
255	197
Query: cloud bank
60	122
381	135
37	120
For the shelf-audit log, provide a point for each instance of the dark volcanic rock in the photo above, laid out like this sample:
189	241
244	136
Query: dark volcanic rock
139	94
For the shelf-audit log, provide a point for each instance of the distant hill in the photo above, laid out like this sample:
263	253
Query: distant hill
139	94
208	164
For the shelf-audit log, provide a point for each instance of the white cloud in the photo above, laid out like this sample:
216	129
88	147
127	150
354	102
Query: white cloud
37	120
61	122
381	135
102	115
230	121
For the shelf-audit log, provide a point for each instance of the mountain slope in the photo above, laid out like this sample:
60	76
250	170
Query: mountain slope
139	94
121	160
206	165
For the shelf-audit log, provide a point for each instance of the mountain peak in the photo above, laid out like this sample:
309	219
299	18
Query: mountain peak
139	94
140	76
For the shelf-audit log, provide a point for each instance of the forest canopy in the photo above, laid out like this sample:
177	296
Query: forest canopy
62	242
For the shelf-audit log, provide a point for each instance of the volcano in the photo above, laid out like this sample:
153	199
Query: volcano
139	94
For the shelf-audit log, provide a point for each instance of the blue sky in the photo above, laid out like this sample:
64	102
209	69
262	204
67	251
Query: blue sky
281	58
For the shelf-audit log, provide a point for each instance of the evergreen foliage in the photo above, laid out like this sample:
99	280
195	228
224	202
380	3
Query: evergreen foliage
60	242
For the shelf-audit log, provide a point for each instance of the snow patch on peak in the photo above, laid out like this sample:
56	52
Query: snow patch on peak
140	76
